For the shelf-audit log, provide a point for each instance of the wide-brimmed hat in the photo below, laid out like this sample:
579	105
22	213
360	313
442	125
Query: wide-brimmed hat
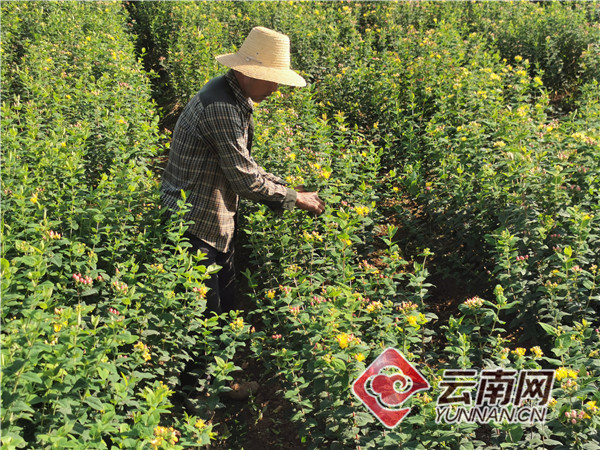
265	54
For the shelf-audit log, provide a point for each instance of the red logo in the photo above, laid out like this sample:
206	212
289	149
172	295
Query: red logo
386	384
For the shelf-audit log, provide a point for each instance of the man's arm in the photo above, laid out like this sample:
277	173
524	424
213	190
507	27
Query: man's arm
224	129
270	176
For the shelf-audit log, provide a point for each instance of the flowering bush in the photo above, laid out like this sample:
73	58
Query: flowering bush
434	105
101	303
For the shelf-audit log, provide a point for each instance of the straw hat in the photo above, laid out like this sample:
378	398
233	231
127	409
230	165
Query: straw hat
265	54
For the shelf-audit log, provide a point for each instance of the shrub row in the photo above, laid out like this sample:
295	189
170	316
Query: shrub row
101	303
435	101
331	293
474	144
219	27
103	306
559	39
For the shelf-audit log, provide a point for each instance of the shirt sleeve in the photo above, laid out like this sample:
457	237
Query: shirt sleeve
274	178
222	127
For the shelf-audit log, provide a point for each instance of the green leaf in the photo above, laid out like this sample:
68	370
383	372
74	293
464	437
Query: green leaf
95	403
4	267
12	441
338	364
548	329
220	362
515	432
32	377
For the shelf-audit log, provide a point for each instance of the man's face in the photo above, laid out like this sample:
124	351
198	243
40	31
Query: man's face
257	90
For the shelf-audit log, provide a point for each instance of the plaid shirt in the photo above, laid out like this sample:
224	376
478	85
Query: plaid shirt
210	160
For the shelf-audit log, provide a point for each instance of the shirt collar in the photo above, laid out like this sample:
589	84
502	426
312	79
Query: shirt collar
244	101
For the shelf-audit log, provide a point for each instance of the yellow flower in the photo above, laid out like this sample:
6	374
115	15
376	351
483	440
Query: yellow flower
520	351
344	339
592	406
537	351
563	372
426	398
163	434
359	357
237	324
412	321
200	290
144	349
271	294
325	174
34	198
346	241
361	210
200	424
374	306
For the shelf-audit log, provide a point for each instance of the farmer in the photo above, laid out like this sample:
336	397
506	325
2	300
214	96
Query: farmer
210	156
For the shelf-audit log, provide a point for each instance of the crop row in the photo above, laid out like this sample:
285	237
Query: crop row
416	101
101	303
475	145
103	307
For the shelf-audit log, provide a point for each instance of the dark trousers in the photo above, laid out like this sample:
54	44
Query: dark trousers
221	294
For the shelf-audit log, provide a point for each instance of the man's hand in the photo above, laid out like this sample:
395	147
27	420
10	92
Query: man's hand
310	201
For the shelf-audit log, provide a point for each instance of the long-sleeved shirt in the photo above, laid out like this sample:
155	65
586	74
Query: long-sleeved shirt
210	160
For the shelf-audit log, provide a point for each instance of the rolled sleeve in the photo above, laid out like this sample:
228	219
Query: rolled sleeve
290	199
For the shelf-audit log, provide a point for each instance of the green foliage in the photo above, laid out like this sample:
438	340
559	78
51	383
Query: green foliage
101	303
219	27
450	105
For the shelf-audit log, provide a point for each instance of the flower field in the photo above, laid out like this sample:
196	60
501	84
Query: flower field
456	145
